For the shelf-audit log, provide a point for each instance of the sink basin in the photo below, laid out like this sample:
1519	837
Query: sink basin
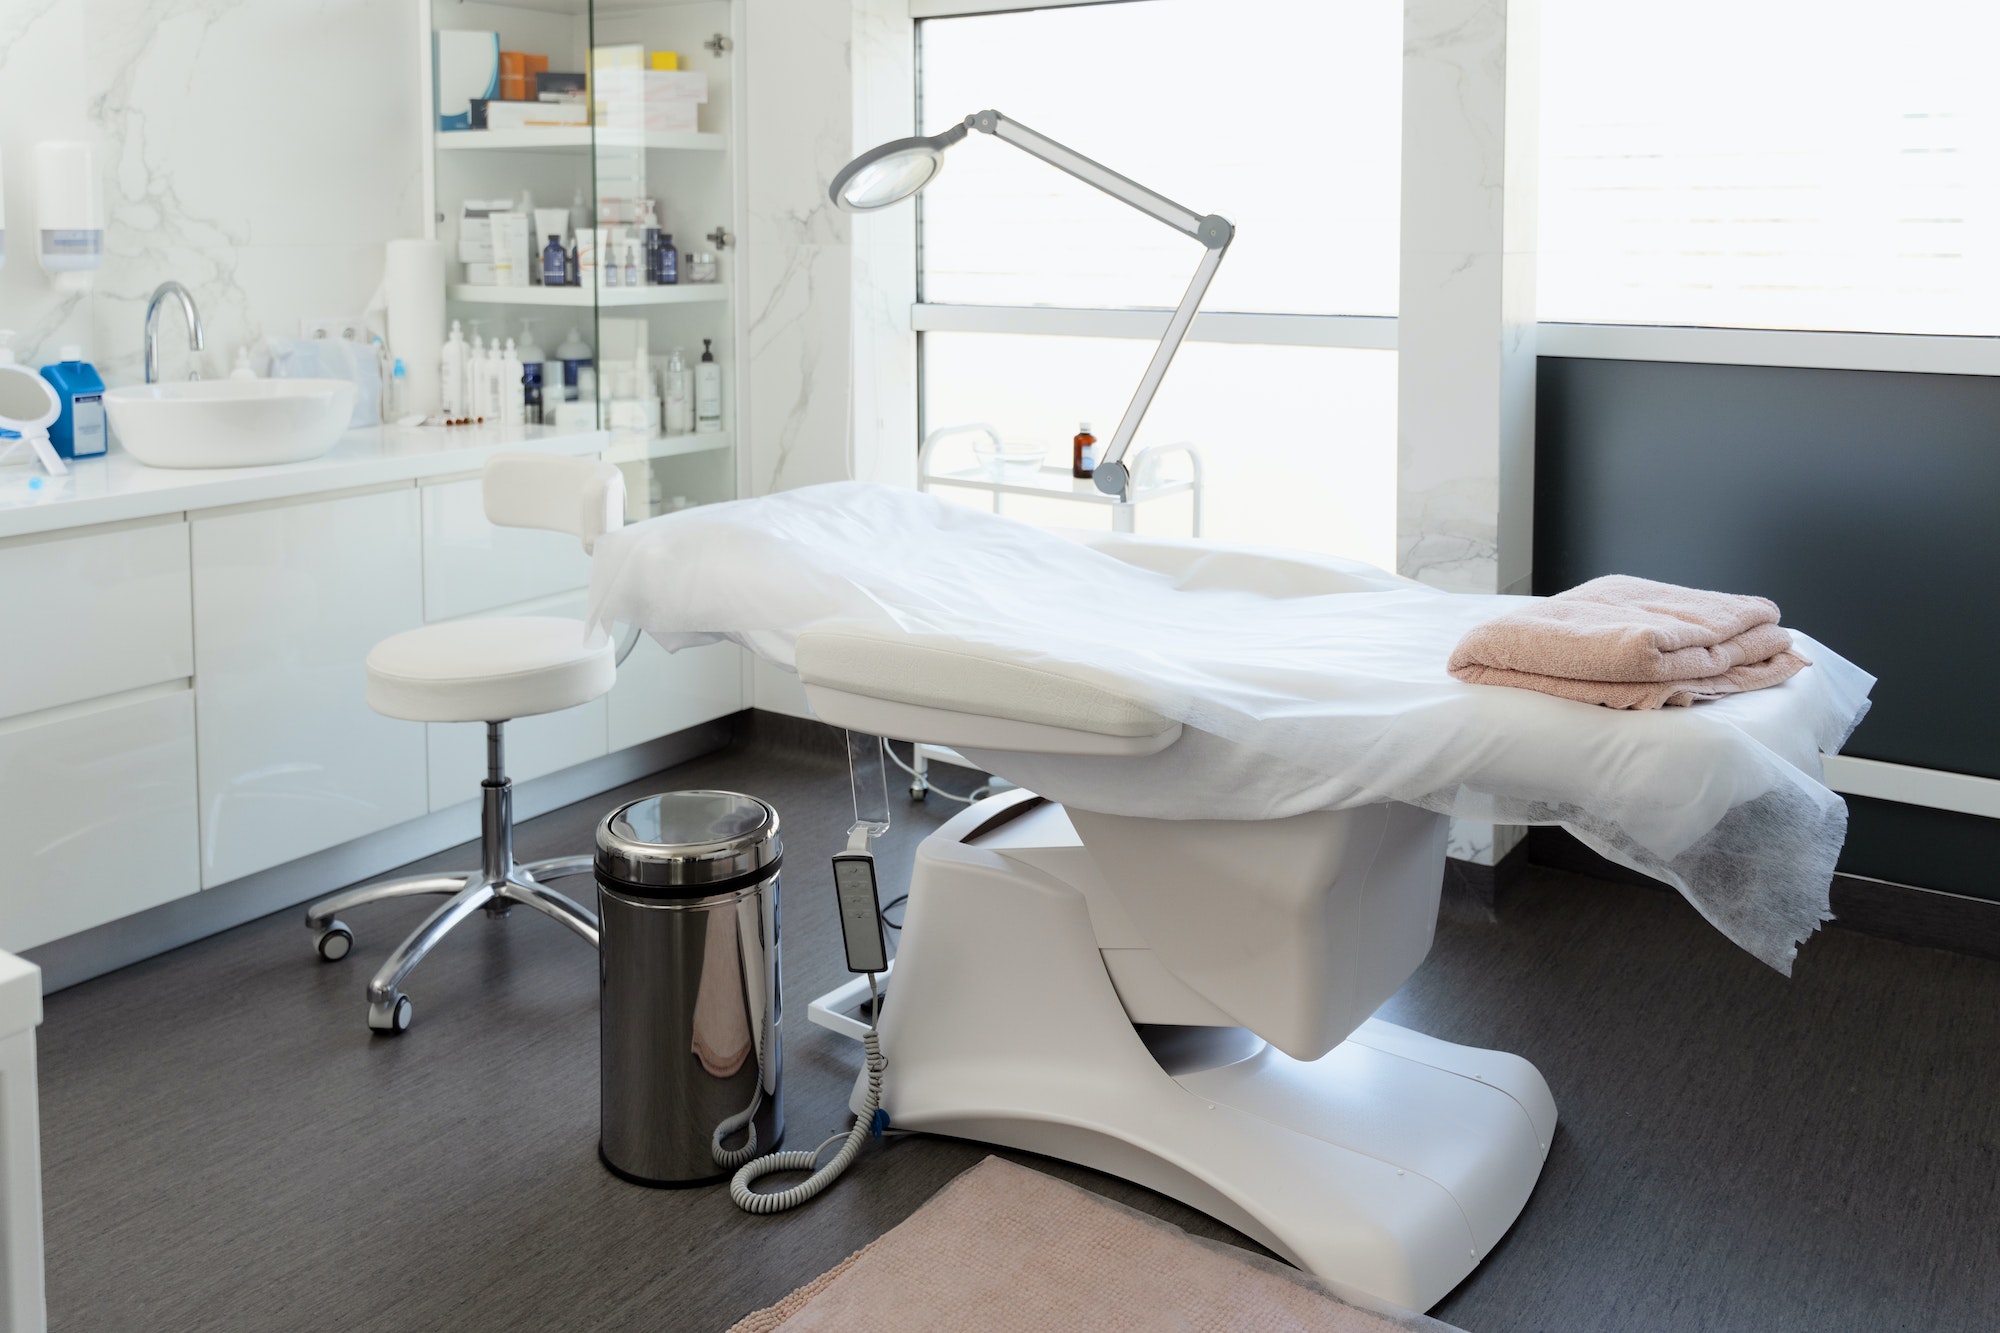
229	423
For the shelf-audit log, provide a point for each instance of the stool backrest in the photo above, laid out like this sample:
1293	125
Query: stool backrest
581	496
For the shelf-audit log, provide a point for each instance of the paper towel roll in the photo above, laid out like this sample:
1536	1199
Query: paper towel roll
413	284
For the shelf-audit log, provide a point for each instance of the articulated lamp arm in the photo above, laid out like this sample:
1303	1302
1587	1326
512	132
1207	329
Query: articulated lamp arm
890	173
1212	230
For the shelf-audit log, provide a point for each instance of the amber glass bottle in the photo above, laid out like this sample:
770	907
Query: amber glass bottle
1083	456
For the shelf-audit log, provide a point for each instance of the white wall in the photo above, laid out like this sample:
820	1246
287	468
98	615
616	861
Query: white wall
831	359
260	151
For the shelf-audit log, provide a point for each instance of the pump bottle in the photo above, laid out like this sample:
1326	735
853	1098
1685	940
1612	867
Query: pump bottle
707	392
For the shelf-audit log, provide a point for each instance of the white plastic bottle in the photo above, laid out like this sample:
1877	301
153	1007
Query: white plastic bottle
451	373
513	404
534	367
574	353
677	418
496	384
475	379
707	391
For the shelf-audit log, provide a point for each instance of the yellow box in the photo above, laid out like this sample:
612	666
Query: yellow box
666	60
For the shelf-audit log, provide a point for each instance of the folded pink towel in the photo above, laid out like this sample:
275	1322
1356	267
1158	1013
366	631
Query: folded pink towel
1627	642
1771	671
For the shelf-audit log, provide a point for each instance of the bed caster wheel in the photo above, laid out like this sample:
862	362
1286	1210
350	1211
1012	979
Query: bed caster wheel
391	1019
334	942
919	790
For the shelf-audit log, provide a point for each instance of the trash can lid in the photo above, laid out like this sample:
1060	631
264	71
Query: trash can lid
697	841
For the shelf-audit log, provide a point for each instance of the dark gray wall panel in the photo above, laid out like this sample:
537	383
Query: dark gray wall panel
1867	504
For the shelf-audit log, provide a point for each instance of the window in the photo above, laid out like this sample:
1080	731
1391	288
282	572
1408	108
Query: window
1789	164
1283	116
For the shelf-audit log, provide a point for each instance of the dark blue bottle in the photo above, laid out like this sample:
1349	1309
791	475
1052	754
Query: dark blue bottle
670	262
552	263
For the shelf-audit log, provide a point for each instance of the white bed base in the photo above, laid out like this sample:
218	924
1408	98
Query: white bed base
1388	1167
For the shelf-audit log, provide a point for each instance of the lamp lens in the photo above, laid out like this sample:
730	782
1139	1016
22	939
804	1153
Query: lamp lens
892	178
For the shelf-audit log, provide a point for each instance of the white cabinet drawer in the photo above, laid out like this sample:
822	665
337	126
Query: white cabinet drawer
536	745
97	816
288	601
94	615
471	566
659	692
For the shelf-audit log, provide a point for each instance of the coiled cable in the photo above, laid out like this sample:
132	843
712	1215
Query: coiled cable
864	1125
728	1157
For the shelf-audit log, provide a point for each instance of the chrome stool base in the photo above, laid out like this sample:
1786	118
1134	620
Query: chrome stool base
496	886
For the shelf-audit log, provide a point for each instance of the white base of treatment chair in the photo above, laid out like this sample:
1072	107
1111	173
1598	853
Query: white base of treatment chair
1185	1003
1388	1167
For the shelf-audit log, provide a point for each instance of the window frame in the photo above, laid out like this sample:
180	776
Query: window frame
1922	353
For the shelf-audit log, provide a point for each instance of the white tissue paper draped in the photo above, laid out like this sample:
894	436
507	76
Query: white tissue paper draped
1304	682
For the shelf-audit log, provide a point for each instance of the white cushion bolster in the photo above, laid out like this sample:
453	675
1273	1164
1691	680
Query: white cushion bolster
965	677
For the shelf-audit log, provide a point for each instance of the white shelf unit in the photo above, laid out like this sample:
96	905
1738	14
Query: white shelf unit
628	449
1056	483
567	138
696	178
579	298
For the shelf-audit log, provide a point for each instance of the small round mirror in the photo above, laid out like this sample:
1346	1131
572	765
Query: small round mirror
27	401
887	175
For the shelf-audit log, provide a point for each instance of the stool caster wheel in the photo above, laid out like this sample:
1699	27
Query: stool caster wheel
499	909
918	790
334	942
391	1019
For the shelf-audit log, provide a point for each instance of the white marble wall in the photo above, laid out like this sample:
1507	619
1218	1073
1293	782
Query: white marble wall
260	151
797	253
1466	324
830	360
885	245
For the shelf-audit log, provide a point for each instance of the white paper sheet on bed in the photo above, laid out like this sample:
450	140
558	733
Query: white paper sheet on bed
1304	682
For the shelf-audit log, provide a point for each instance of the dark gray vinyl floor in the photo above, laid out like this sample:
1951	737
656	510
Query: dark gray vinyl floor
225	1146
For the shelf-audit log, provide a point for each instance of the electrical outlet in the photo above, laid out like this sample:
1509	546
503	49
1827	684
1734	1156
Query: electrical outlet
354	328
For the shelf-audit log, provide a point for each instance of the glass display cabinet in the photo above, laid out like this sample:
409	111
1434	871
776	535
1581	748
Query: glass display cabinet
584	173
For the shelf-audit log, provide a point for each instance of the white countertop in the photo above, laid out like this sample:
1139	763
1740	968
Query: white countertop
118	486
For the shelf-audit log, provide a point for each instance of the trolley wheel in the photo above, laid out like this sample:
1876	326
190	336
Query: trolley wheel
334	942
391	1019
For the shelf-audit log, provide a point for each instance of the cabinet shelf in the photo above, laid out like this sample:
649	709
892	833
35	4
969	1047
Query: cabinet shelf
632	449
566	138
686	293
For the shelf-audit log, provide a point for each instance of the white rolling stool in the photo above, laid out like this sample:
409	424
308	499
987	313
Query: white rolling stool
489	670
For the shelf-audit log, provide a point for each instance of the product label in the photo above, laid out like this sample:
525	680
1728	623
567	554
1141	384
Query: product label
87	440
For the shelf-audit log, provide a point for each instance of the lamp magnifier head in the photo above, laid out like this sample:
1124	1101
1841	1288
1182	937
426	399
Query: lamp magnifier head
892	172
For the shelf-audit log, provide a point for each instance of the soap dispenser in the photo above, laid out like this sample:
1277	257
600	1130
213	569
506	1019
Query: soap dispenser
707	391
243	370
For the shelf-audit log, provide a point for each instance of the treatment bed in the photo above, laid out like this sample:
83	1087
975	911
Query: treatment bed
1160	956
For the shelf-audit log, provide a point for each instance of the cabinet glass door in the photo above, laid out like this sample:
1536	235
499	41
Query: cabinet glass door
584	170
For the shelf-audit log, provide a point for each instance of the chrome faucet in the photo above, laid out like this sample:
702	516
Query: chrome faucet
160	294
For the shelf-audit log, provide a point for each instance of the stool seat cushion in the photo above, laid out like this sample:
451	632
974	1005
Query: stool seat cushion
489	670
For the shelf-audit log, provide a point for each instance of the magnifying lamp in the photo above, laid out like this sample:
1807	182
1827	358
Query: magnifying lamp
896	170
28	405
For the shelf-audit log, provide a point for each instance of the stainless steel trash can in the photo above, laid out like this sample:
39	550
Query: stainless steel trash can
688	987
